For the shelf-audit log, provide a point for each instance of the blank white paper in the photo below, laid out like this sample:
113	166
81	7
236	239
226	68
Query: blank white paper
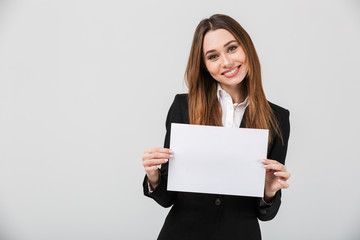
218	160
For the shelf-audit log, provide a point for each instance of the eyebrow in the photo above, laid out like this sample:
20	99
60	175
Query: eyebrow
224	46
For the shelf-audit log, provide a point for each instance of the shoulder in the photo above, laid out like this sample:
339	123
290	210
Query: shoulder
279	112
283	117
181	102
182	98
178	111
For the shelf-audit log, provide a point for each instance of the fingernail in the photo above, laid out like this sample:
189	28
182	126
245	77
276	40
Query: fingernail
171	156
265	166
166	160
279	181
171	151
275	173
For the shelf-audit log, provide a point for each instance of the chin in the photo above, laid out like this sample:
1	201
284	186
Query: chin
232	82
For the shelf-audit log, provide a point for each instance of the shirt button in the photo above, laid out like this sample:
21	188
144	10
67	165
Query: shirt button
217	202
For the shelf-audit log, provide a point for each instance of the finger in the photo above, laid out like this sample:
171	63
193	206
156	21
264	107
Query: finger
268	161
156	155
160	150
283	184
285	175
276	185
275	166
154	162
151	169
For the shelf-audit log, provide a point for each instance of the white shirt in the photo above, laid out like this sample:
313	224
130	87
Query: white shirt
232	113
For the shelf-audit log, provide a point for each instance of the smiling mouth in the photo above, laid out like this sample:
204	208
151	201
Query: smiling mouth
232	71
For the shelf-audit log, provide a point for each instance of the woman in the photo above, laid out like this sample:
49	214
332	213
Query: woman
224	80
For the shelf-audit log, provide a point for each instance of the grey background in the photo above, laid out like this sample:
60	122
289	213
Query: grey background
85	87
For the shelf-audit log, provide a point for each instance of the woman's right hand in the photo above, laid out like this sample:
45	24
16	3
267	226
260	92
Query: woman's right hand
152	158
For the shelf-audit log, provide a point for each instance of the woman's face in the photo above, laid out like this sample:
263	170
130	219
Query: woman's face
224	58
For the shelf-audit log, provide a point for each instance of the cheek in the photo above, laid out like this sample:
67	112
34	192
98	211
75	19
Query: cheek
245	67
212	68
241	56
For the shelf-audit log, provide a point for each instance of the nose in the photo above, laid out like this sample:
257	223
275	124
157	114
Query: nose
226	61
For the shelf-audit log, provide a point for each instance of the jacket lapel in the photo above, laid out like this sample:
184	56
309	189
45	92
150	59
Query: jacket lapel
242	124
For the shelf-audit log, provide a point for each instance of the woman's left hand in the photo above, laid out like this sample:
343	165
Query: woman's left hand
275	179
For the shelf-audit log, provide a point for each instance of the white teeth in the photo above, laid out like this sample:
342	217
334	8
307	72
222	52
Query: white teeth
231	72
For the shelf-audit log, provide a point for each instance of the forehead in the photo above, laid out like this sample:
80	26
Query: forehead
216	39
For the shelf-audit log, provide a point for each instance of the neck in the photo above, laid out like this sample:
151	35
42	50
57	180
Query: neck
237	93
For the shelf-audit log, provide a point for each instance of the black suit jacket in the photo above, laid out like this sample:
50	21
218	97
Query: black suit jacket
212	216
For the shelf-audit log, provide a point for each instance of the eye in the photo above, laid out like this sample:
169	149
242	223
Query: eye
212	57
232	48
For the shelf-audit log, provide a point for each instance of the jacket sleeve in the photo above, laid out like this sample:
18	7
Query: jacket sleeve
160	194
277	152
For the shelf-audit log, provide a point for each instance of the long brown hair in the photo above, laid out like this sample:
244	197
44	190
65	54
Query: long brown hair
204	107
